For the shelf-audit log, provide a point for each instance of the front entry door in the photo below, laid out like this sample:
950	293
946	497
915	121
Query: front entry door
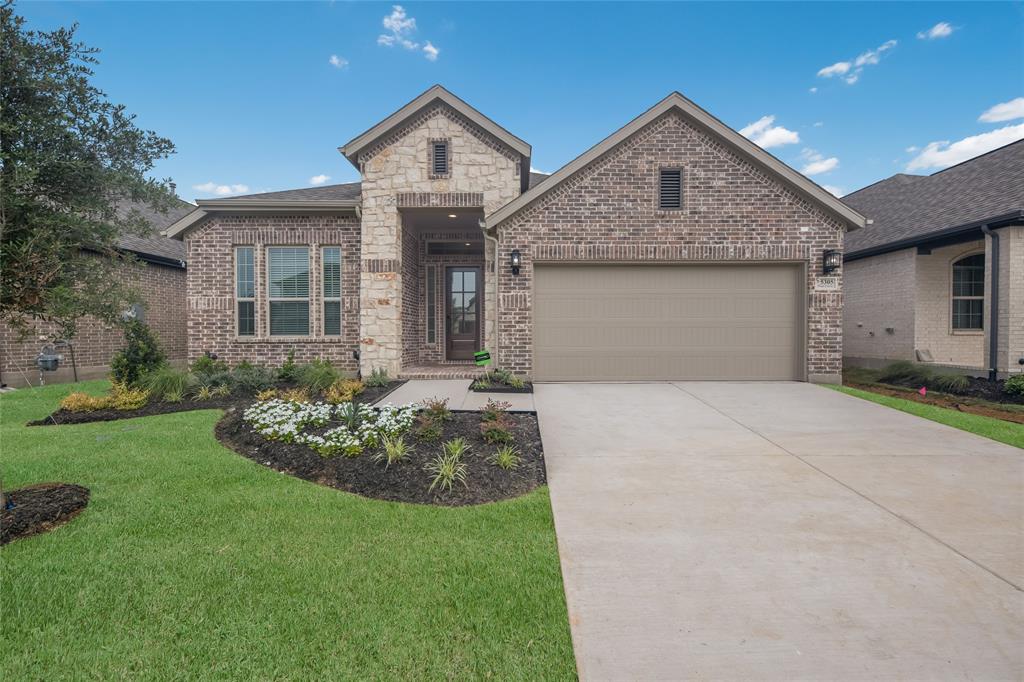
462	313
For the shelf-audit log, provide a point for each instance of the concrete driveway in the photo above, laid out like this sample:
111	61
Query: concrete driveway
781	531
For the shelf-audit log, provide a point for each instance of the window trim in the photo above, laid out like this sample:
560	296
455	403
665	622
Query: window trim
324	298
309	292
963	331
241	299
434	143
682	189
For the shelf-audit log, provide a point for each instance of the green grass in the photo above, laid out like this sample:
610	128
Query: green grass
192	562
996	429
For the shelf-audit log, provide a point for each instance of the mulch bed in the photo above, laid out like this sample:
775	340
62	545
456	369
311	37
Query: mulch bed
40	508
943	400
501	388
61	416
979	388
404	481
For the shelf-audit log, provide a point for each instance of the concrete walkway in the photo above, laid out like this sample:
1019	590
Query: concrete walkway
781	531
457	392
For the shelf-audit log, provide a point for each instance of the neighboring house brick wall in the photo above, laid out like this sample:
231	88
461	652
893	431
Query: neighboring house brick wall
211	287
162	289
733	211
400	164
879	294
1011	300
933	326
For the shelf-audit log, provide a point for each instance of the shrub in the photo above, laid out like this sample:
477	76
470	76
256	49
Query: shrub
1014	385
268	394
203	393
215	380
317	376
437	409
288	369
447	468
495	410
252	379
496	431
124	397
295	395
394	450
482	384
428	429
352	415
221	391
517	382
378	378
166	383
506	457
456	447
141	355
343	391
208	364
904	371
950	383
83	402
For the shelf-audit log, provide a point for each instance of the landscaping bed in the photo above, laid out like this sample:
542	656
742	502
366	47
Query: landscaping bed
500	381
40	508
961	404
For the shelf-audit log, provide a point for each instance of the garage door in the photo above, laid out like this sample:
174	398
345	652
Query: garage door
707	322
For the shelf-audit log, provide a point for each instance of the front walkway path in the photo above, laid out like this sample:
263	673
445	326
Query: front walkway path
781	531
456	391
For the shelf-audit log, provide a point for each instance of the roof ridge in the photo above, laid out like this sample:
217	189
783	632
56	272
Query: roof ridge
975	158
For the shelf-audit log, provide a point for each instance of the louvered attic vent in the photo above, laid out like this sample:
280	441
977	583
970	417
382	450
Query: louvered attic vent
439	158
670	189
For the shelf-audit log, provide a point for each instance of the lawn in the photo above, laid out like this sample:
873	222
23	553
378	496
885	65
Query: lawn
996	429
193	562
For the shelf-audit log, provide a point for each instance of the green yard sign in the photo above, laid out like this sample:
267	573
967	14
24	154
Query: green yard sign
482	357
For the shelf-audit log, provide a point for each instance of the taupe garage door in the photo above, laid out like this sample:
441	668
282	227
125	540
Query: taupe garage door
709	322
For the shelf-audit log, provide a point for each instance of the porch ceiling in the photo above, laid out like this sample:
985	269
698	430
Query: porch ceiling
419	220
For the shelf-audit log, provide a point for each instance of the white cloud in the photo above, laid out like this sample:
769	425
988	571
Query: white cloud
911	149
319	179
818	124
850	71
813	90
833	190
944	153
762	133
401	27
538	170
943	29
221	190
816	163
337	62
1005	111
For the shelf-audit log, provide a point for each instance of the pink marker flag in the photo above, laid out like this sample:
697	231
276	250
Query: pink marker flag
923	390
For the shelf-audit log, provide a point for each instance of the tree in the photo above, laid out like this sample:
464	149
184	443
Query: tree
67	157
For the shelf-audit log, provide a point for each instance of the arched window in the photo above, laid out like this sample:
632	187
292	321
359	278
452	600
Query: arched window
969	293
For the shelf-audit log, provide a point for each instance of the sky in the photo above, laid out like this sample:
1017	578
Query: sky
257	96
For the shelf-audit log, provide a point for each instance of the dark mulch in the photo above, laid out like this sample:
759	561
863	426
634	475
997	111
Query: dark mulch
40	508
501	388
946	400
404	481
61	416
980	388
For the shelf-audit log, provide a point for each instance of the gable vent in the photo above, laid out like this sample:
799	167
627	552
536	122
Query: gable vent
439	158
670	189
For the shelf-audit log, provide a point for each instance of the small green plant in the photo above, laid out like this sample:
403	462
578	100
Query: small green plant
482	384
517	382
252	378
378	378
140	356
208	364
203	393
124	397
456	447
1014	385
950	383
295	395
317	376
437	409
506	457
495	410
428	429
288	370
448	468
221	391
343	391
173	397
352	415
905	372
393	449
496	431
268	394
167	383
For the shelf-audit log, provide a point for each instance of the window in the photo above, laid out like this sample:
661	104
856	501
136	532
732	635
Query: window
969	293
332	291
289	290
670	189
439	162
245	291
431	304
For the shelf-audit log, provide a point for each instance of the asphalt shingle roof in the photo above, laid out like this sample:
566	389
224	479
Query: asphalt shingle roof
342	192
155	245
906	207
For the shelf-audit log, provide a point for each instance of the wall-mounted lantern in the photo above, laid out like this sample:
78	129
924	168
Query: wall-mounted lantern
516	261
831	261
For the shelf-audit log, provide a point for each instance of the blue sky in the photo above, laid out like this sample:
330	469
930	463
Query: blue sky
856	91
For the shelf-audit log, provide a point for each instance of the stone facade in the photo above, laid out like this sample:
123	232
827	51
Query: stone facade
163	291
607	212
211	287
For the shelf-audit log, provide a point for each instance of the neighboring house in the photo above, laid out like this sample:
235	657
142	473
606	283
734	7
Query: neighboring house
159	276
920	278
673	249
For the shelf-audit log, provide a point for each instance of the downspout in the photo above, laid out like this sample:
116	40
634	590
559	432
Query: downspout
497	294
993	320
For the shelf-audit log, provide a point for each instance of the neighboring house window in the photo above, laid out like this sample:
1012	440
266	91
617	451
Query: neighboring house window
969	293
431	304
670	189
332	291
245	290
288	281
440	163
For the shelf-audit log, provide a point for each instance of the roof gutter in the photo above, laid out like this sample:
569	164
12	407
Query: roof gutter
994	223
993	307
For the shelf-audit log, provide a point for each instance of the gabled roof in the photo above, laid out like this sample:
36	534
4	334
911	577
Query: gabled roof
352	149
153	246
740	144
909	209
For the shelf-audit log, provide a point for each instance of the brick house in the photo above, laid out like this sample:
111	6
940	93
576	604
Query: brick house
158	273
675	248
938	275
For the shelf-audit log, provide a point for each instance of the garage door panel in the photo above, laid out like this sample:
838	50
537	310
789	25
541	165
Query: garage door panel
667	322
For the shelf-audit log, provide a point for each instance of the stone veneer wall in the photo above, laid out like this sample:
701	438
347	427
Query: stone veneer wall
933	323
396	172
211	287
733	211
880	294
163	291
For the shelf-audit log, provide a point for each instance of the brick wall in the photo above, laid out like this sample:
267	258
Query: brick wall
1011	300
933	325
163	290
211	282
607	212
412	299
880	294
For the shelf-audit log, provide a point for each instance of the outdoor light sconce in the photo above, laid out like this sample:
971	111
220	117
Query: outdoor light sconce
831	261
516	261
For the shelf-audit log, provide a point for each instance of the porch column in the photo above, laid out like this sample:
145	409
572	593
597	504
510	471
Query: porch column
1010	342
380	285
